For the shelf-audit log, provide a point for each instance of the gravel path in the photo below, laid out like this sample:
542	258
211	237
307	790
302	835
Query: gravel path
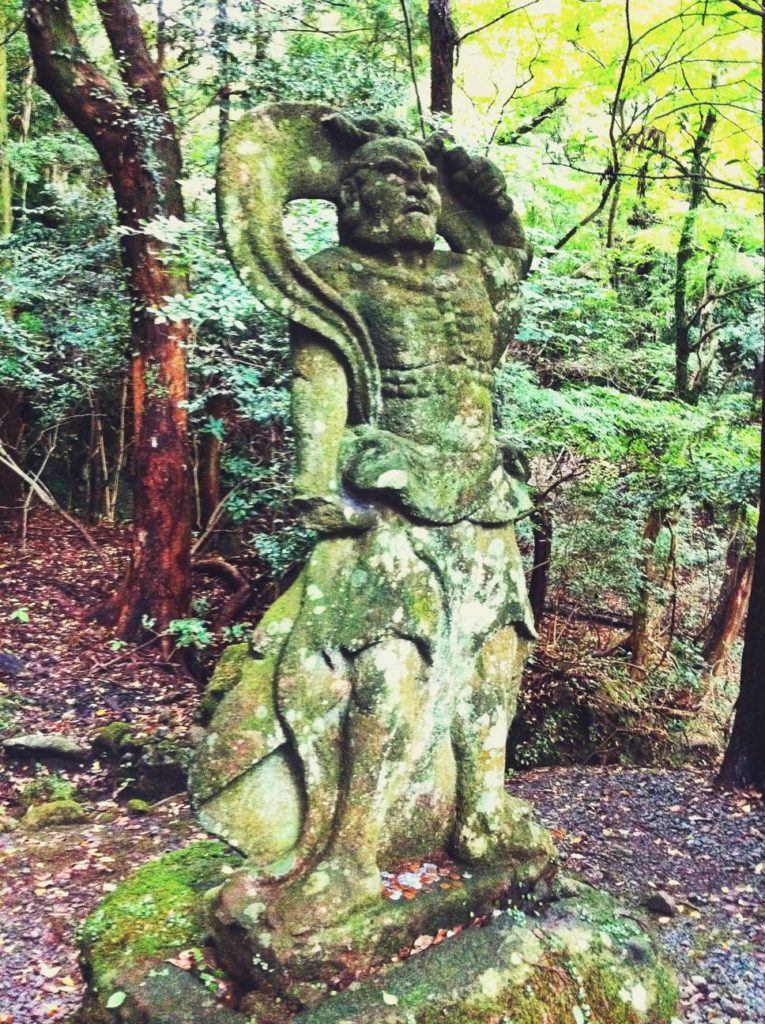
637	832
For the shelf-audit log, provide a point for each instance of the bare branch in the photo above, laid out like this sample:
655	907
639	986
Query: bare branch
494	21
412	69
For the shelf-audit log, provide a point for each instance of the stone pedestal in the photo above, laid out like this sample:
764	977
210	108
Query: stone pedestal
574	957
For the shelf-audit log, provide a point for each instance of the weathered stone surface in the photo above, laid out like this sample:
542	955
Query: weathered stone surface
163	994
113	739
153	767
56	812
366	723
535	968
661	903
44	745
259	948
579	953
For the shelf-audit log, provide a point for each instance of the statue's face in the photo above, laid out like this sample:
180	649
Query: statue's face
389	197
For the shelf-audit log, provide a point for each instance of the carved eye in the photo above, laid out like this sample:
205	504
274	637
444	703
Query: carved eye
392	167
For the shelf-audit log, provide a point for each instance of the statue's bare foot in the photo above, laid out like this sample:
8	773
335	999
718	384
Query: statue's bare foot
509	835
332	890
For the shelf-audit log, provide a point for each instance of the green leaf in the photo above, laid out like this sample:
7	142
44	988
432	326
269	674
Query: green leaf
116	999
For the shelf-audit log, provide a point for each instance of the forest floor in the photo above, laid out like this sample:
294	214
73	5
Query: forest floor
632	831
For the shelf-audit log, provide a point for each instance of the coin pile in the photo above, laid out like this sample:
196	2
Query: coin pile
416	878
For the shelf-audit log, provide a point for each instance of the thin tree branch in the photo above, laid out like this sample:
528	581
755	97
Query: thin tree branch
612	171
722	295
760	13
412	69
494	21
47	499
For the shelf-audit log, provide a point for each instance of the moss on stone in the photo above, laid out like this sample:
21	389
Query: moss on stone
47	788
56	812
138	807
225	677
113	738
154	913
576	953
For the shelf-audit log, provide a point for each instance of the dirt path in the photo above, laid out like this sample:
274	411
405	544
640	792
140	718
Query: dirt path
49	881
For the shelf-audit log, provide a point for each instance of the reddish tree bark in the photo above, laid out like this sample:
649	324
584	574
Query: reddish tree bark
219	407
729	614
443	45
138	147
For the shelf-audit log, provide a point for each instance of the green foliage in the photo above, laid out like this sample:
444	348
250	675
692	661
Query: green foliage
191	632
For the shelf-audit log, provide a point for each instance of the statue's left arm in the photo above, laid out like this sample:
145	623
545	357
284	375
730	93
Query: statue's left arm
502	250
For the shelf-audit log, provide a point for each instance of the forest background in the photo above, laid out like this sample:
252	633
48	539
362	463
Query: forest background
630	134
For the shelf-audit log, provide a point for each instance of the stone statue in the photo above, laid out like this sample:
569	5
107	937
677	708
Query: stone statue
364	725
387	676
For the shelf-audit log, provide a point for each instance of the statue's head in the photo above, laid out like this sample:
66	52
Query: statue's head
389	197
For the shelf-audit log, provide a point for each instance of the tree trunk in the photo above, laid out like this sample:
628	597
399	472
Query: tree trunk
744	761
11	429
22	124
540	574
443	46
612	214
729	613
655	575
685	253
210	449
138	147
5	170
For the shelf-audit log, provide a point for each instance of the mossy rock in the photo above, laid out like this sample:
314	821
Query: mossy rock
113	739
138	807
155	913
579	960
155	768
56	812
225	677
45	789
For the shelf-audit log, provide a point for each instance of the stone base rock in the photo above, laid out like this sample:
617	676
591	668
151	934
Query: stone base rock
263	951
575	958
42	746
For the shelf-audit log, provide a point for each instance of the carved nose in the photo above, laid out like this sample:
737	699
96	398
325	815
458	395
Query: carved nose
417	189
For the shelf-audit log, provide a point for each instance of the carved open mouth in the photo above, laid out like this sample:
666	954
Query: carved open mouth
416	207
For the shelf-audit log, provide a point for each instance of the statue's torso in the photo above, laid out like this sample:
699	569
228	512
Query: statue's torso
433	329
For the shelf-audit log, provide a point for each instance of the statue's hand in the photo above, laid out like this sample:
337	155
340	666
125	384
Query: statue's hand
332	514
477	180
